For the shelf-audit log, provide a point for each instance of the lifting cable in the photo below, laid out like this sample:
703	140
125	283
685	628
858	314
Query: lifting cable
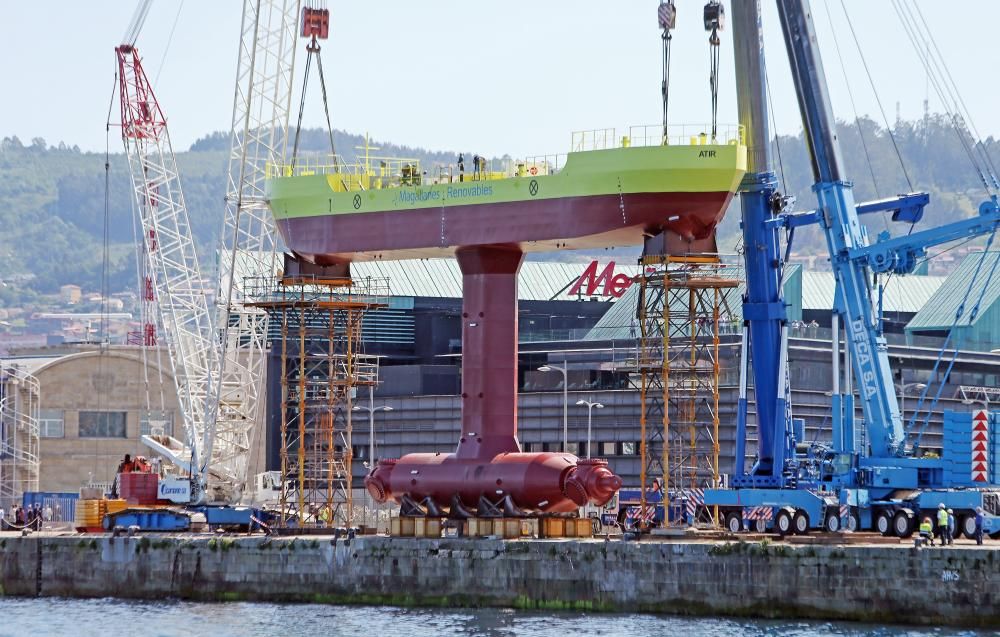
932	67
100	388
947	91
142	268
857	118
878	99
313	48
138	20
876	278
774	127
715	18
960	101
951	330
170	39
667	17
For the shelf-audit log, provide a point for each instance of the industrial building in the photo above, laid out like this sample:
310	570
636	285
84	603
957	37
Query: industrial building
93	406
95	403
417	338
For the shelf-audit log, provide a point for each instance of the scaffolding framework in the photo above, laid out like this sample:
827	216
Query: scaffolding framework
19	434
319	323
682	310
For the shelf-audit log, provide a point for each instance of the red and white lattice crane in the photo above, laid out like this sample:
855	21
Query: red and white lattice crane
217	353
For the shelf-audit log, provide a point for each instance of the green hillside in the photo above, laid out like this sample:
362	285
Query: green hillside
52	198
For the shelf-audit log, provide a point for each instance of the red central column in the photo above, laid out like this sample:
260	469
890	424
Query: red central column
489	350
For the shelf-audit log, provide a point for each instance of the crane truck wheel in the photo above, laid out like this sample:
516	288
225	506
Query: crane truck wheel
902	523
883	523
801	522
760	525
783	522
853	522
734	523
967	526
832	522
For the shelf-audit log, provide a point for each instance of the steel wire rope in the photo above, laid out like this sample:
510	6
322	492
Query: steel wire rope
326	108
945	250
713	78
959	313
933	69
170	39
854	107
137	22
140	264
881	286
104	265
960	100
878	99
667	38
774	127
912	33
954	355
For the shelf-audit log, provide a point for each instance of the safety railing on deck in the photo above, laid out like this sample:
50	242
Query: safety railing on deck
391	172
376	173
652	135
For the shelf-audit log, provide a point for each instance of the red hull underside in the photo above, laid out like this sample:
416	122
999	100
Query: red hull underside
567	223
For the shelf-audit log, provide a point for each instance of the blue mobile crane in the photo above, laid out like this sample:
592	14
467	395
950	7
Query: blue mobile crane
792	486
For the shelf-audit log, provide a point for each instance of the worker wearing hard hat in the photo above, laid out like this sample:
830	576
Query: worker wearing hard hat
980	522
927	532
942	525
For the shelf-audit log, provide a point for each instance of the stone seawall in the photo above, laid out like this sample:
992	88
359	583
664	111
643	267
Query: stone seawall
868	583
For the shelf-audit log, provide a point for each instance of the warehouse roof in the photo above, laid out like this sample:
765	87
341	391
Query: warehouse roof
538	280
939	312
907	294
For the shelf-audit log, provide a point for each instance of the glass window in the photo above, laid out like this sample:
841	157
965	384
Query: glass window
573	448
629	448
50	423
156	423
608	449
535	447
102	424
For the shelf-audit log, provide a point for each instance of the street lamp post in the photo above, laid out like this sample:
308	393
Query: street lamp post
550	368
902	397
590	413
371	409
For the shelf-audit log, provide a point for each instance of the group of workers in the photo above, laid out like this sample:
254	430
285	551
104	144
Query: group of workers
945	529
29	517
478	167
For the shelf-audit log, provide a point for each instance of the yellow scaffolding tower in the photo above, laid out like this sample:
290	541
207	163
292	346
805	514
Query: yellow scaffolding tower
320	321
682	309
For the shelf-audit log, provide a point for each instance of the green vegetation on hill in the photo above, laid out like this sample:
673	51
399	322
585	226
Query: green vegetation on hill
52	198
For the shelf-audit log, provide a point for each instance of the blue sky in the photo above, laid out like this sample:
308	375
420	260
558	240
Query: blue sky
515	76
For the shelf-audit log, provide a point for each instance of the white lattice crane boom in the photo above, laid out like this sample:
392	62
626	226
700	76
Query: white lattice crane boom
261	105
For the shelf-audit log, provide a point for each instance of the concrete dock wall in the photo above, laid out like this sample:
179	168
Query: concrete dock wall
868	583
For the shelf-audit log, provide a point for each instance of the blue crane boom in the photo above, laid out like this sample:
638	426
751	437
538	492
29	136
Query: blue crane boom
885	484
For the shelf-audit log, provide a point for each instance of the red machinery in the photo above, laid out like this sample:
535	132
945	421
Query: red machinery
488	473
